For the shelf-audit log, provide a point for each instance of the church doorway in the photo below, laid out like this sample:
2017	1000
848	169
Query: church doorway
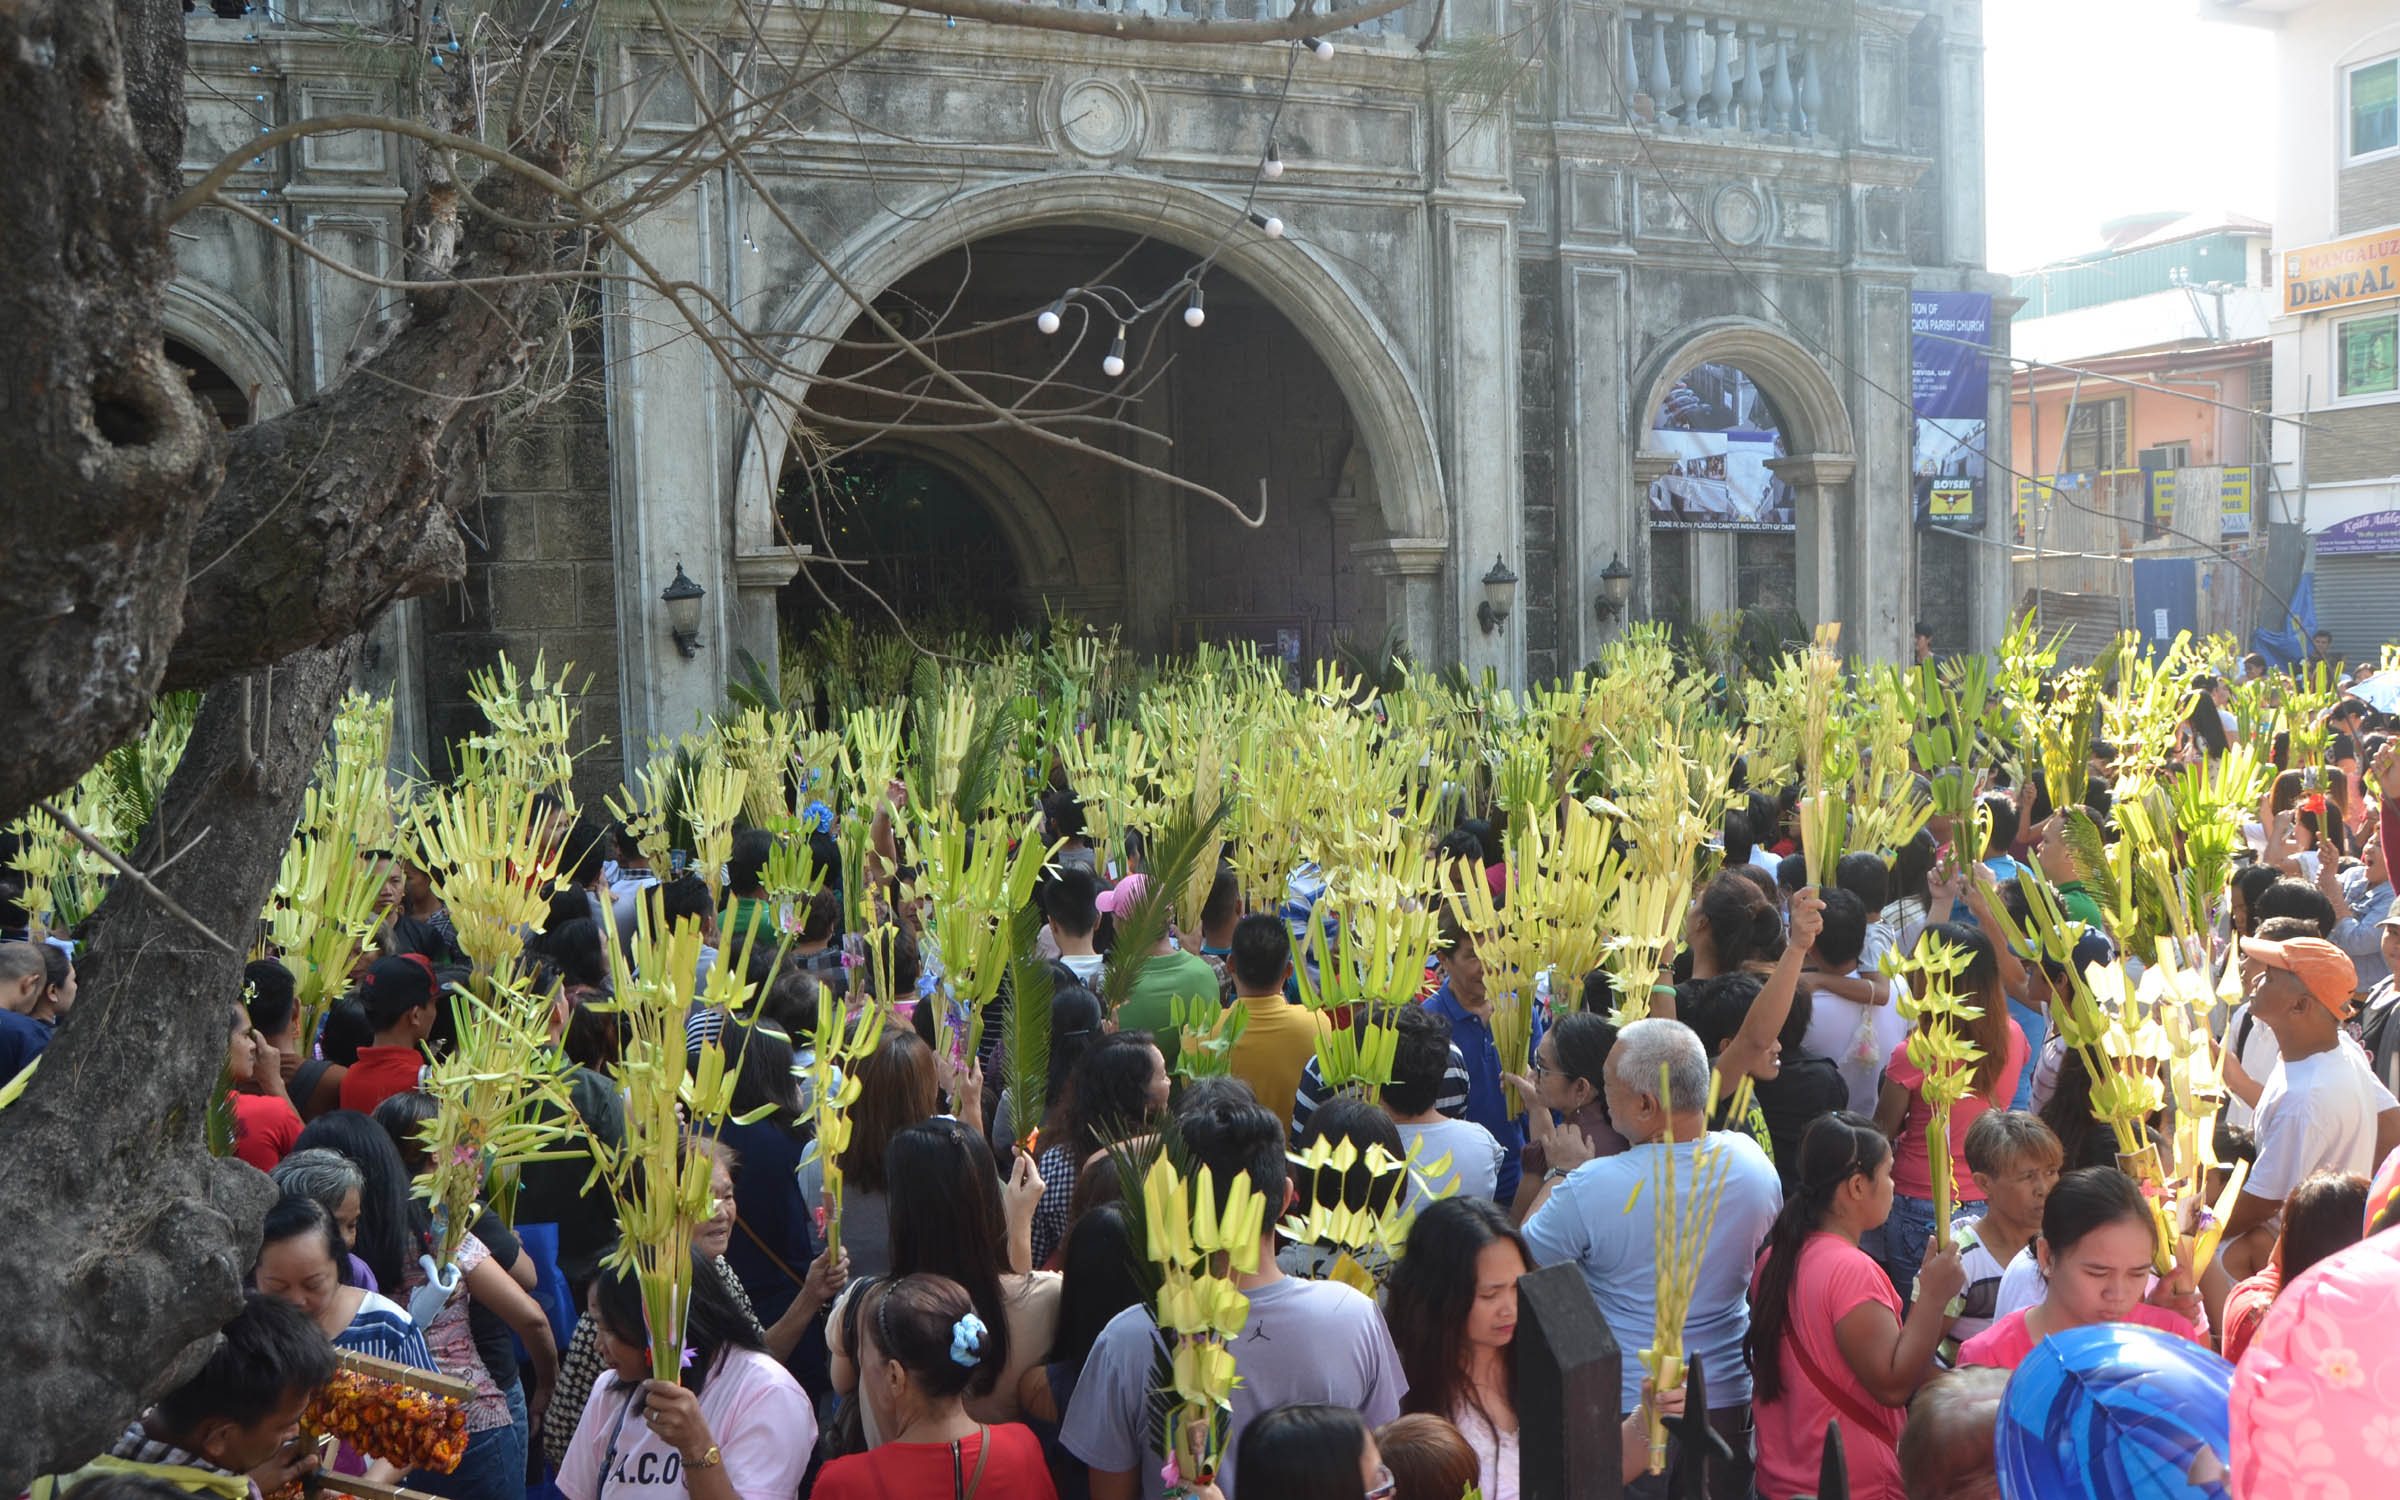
891	532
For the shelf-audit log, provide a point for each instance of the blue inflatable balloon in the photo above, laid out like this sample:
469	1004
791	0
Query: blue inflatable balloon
2117	1411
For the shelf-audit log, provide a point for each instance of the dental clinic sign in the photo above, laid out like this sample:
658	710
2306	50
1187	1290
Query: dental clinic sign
2363	268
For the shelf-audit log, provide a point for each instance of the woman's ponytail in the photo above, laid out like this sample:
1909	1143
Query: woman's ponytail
1834	1149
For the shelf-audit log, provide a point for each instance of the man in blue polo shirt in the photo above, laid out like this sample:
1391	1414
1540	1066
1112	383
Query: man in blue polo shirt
1462	1002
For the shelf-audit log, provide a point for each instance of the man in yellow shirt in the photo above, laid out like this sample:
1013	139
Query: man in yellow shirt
1279	1037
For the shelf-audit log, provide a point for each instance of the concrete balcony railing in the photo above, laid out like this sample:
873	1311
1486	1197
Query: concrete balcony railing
1711	73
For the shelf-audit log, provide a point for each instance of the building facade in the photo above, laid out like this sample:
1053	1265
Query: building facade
2139	431
2336	330
1648	306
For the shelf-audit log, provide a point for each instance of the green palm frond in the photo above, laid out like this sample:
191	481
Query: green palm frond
1025	1028
1173	854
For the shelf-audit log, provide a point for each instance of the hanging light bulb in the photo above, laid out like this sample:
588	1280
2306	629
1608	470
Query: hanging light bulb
1114	365
1272	225
1049	319
1273	167
1194	315
1320	46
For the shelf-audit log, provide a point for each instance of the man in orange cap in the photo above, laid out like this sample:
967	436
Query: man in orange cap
2321	1108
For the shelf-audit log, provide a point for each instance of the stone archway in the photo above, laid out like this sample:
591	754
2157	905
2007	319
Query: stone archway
1392	416
220	332
1020	546
1821	456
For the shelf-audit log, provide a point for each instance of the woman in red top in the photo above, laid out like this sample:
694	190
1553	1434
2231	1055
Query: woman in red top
923	1346
2326	1212
1902	1113
2098	1237
1828	1341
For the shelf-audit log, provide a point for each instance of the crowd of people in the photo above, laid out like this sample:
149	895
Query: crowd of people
987	1327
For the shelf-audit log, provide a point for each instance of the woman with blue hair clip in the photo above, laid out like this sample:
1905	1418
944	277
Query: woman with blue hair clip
922	1348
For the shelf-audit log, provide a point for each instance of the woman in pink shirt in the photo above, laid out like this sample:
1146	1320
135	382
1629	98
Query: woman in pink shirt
2098	1238
732	1424
1901	1112
1828	1341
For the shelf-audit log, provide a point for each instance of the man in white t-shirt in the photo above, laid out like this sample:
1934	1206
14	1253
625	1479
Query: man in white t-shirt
1316	1341
2321	1109
1420	1060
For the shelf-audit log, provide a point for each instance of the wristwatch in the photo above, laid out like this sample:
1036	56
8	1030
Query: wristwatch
1557	1174
709	1460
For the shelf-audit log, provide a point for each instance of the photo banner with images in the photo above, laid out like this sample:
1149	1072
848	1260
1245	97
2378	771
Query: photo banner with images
1950	388
1722	431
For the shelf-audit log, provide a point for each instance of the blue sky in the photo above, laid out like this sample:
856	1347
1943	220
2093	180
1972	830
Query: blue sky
2096	108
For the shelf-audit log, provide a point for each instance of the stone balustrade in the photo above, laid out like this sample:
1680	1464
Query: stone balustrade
1687	70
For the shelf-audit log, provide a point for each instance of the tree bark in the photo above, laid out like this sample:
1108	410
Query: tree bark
345	504
123	1243
106	460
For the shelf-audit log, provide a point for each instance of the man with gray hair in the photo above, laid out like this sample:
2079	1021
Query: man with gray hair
1595	1217
24	974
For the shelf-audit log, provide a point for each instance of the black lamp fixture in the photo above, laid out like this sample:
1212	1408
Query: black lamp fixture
682	599
1616	586
1499	595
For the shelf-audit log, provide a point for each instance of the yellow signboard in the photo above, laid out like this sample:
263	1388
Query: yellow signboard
2363	268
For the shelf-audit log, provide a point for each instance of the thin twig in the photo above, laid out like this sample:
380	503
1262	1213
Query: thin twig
136	876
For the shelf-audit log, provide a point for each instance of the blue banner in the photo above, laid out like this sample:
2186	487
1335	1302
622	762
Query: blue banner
1950	390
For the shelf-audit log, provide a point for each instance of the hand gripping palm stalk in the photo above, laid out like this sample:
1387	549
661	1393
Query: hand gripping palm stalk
1510	965
1939	1048
1201	1252
659	1185
1680	1231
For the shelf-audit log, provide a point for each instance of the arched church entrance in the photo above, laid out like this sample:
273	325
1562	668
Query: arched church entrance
895	531
1135	505
1719	509
216	389
1743	459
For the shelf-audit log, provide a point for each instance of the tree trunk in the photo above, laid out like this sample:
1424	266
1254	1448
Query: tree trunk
105	458
345	504
123	1243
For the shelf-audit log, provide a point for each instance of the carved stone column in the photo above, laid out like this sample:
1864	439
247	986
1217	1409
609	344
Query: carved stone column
1827	555
1411	570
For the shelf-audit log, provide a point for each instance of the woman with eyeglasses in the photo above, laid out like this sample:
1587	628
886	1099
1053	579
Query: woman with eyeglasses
1565	1094
1828	1341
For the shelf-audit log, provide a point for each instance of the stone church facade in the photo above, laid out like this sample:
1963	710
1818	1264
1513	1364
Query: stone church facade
1455	353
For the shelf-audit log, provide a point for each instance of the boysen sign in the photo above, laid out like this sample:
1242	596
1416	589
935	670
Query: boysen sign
2360	269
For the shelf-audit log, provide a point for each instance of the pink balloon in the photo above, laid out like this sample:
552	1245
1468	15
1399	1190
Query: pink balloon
2316	1397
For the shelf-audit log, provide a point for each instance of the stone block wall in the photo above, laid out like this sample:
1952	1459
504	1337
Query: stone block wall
540	580
1537	467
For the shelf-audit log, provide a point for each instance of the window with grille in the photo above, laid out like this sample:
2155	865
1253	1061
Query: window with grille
2096	436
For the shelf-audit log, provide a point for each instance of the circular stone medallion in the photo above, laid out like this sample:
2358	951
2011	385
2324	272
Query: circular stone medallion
1098	118
1739	215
